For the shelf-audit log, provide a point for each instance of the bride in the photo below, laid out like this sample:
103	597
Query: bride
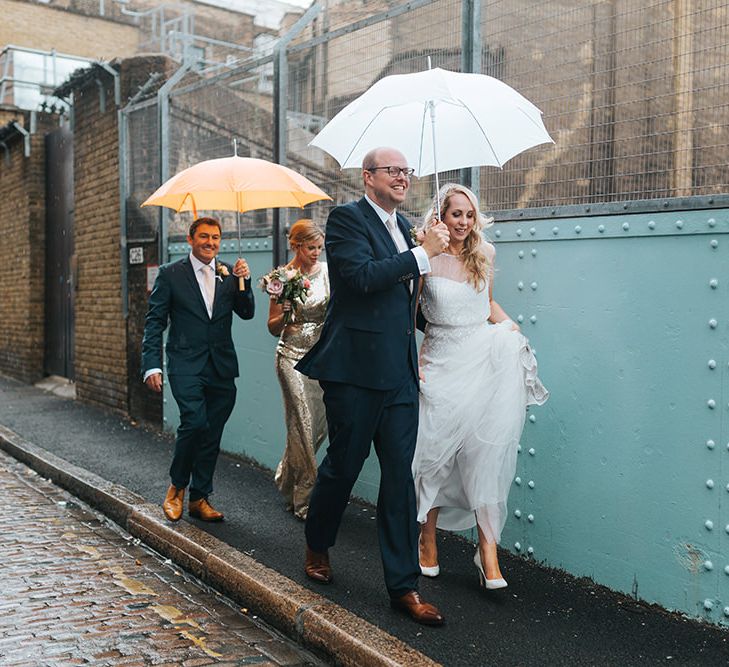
478	376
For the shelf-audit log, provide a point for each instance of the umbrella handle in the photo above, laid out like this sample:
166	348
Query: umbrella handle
241	284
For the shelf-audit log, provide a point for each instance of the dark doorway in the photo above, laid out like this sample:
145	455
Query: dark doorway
60	258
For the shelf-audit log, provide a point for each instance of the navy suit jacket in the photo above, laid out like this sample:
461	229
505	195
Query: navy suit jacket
194	337
368	337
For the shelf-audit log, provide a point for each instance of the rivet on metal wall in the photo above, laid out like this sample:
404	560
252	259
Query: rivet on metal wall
531	484
265	244
517	514
712	364
256	244
708	605
497	233
714	243
578	229
518	232
713	323
517	546
708	524
726	569
532	451
726	612
530	518
521	254
711	403
710	444
533	286
520	285
532	230
713	283
709	483
249	244
555	230
532	418
712	222
534	252
518	449
708	565
679	224
626	226
601	228
517	481
533	319
520	318
652	224
530	551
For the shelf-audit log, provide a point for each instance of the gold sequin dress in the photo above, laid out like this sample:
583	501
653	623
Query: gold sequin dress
306	425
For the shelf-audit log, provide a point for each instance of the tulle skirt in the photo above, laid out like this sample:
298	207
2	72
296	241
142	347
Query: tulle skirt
478	381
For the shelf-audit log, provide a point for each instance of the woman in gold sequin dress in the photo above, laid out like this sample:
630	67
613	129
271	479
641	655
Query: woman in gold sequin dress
306	425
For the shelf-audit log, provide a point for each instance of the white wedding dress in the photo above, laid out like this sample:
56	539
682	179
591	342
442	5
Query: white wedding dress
478	380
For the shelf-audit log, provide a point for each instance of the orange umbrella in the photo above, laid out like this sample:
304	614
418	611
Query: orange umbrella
236	184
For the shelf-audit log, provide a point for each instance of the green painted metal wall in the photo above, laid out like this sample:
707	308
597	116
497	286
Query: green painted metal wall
623	475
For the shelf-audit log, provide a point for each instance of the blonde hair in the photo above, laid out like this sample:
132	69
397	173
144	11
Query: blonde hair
473	257
302	231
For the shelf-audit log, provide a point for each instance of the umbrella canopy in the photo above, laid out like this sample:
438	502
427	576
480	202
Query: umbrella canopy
236	184
440	120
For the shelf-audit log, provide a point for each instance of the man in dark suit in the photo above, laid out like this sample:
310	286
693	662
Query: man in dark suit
198	296
366	363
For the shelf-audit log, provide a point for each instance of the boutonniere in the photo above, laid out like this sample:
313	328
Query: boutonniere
221	271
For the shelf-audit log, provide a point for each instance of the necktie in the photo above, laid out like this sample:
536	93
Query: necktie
395	233
209	284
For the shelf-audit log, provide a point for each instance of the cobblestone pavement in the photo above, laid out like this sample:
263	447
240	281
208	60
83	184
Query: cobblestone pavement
75	589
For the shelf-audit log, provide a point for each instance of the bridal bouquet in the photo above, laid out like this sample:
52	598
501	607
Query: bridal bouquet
286	284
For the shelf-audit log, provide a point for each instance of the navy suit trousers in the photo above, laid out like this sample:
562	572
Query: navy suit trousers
205	402
357	417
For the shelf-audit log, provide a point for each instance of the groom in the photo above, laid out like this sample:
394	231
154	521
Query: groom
366	364
198	296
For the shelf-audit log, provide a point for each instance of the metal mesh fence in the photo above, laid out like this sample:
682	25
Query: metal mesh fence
633	92
142	171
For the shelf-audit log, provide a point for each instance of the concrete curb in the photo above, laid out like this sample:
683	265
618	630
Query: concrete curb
308	617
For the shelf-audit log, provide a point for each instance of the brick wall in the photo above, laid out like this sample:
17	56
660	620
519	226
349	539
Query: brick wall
40	27
22	255
100	354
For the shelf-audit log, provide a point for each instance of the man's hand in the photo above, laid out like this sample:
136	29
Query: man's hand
436	239
240	269
154	382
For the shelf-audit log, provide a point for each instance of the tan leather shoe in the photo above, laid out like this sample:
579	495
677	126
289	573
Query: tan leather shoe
173	502
421	612
203	510
317	566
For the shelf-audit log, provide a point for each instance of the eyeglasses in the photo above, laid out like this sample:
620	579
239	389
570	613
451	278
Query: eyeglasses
394	172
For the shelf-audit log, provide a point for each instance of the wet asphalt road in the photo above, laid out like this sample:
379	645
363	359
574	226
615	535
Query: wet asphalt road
545	617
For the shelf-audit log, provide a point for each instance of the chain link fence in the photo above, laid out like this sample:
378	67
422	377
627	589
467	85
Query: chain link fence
634	93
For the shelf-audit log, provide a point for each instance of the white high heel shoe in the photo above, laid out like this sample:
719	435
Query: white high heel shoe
429	571
489	584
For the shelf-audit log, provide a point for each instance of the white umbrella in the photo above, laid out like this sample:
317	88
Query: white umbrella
438	119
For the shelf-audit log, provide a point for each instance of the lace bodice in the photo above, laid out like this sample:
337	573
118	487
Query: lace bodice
449	299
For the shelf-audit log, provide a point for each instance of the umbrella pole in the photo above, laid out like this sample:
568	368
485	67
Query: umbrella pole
241	279
431	105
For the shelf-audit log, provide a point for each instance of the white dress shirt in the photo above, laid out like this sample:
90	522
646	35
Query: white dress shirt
421	257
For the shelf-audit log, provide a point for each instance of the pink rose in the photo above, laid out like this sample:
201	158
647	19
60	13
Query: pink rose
290	274
307	283
275	287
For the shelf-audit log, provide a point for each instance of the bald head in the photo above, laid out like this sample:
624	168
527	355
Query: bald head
386	191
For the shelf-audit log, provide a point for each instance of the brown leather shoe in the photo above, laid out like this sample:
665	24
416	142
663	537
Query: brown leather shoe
317	566
173	502
203	510
422	612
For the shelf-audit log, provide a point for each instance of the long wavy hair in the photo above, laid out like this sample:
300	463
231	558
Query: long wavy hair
472	255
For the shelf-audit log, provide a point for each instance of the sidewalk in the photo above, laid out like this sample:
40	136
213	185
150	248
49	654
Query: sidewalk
76	590
544	618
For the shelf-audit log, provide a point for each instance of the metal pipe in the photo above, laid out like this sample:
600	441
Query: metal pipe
117	82
280	107
471	62
26	138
